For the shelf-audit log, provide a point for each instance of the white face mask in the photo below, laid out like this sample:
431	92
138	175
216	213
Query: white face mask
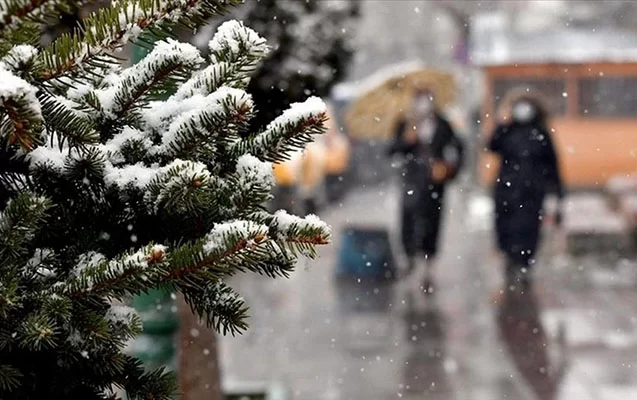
523	111
423	105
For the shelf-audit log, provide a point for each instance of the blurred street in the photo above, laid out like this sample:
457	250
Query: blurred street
574	337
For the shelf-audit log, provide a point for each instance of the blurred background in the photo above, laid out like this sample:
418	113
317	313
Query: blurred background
338	328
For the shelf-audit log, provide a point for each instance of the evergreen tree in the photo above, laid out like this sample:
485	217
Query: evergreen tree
311	47
112	187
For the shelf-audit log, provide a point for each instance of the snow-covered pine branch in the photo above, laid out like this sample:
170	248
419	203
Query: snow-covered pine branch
94	274
168	64
288	132
108	29
217	119
235	53
125	191
20	113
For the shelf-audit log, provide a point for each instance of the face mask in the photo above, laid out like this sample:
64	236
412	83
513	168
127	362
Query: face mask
523	112
423	106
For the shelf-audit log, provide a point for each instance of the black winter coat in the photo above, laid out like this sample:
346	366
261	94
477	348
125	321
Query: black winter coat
528	170
422	199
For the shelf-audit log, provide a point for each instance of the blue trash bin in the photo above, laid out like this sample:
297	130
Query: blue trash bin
366	253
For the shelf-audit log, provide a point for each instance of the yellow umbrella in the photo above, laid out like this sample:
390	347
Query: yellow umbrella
374	114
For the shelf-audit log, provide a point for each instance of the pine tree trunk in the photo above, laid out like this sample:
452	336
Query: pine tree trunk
199	372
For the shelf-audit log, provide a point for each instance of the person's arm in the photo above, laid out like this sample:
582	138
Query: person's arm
552	169
452	155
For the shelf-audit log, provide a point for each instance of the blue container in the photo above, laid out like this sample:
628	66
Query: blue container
366	253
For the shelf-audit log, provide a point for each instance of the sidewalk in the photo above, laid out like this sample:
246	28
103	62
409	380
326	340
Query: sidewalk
347	340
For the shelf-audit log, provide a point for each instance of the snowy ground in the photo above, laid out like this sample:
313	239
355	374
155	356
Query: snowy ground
325	339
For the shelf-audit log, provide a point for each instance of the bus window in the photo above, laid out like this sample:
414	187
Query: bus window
551	89
608	97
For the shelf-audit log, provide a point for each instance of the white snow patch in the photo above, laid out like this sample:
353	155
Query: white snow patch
52	157
216	239
251	169
120	314
233	36
19	55
136	175
15	88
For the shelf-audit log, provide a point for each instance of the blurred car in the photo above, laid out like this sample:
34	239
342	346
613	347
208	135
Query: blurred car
313	176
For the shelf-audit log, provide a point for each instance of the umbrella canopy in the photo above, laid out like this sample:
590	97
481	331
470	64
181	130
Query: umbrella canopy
374	114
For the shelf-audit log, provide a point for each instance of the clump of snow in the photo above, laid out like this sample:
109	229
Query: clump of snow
78	91
139	259
287	224
86	261
13	88
212	107
217	238
120	314
312	107
252	170
36	263
232	36
179	174
86	265
75	338
19	56
213	75
136	175
218	295
114	146
165	51
159	114
52	157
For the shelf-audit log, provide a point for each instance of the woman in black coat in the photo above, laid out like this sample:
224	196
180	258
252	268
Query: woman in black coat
528	170
432	154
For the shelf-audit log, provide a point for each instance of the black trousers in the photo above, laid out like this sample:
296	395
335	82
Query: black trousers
421	219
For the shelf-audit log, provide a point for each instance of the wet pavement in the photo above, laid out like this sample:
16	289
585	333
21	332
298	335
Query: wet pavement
573	337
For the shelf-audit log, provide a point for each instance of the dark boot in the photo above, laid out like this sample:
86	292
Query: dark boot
518	277
512	273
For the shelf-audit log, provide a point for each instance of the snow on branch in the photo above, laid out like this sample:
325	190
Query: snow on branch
233	42
288	132
48	157
136	176
236	52
251	171
94	273
210	79
110	28
211	120
176	186
292	228
168	59
20	57
20	106
234	235
129	138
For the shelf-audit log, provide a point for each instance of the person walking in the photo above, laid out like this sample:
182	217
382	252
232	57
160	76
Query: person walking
528	171
432	155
